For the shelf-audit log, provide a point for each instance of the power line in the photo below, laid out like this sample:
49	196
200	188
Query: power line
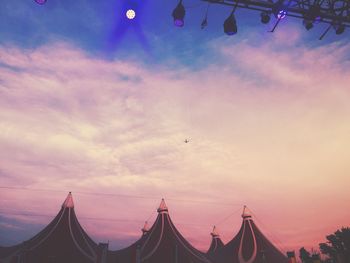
220	222
118	195
227	217
272	236
154	211
33	214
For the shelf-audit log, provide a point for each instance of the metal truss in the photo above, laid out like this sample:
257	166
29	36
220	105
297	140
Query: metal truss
332	12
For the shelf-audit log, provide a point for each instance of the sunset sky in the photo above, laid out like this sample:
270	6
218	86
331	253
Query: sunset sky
92	104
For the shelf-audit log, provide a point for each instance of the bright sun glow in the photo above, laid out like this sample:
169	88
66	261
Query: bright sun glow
130	14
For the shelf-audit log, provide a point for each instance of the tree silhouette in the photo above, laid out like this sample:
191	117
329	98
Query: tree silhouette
337	247
305	256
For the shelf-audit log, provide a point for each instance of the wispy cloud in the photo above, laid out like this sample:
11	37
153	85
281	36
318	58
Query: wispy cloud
268	127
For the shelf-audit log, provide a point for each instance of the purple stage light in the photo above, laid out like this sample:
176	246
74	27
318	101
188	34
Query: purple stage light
281	14
179	15
230	25
314	14
40	2
179	22
317	20
279	9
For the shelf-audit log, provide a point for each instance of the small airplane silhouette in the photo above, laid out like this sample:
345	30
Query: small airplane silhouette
186	141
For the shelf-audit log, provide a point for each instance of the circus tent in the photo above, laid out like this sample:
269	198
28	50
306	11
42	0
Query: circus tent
129	254
63	240
162	243
249	246
216	242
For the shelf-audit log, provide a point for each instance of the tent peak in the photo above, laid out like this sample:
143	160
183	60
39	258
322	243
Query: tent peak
68	203
162	207
215	233
145	228
246	214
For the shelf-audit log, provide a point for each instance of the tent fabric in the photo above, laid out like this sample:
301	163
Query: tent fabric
216	242
162	243
63	240
127	254
248	246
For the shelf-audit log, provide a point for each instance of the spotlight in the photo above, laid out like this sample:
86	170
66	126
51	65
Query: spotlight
313	15
204	23
339	29
40	2
308	24
130	14
265	17
179	14
281	14
279	10
230	25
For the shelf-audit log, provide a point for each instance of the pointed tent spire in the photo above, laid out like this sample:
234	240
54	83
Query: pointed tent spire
63	238
145	228
162	207
246	214
216	242
164	239
215	233
255	248
68	203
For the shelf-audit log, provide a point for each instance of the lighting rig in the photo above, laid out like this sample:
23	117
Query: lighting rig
40	2
335	13
130	13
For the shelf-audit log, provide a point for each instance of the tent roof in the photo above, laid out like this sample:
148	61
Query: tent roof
68	203
250	245
162	207
62	240
162	243
216	242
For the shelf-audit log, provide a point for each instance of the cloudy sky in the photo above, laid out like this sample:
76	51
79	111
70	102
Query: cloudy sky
99	106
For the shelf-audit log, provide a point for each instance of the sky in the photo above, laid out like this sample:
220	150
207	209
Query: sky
100	106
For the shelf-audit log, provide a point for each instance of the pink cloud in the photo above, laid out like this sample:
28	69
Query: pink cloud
268	127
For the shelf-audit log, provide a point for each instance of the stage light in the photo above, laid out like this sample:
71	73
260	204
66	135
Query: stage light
279	10
204	23
310	12
281	14
308	24
339	29
40	2
179	14
313	15
230	25
130	14
265	17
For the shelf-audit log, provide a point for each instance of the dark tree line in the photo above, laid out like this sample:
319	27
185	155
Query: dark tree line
336	248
